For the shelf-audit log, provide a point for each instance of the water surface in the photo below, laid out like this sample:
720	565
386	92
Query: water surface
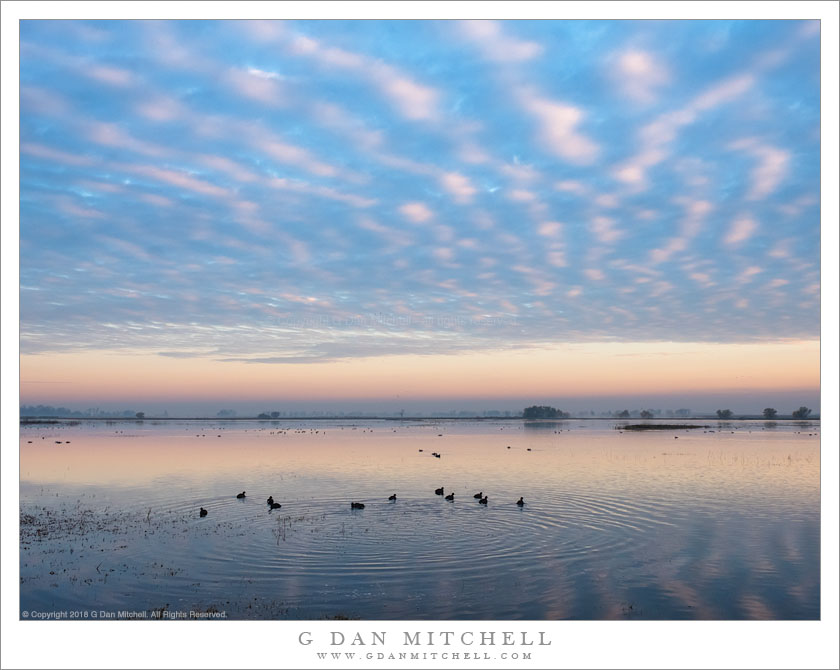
720	522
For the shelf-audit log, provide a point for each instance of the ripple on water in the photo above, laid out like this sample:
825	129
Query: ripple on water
323	537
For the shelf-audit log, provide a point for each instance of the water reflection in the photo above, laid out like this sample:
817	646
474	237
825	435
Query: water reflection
544	425
616	524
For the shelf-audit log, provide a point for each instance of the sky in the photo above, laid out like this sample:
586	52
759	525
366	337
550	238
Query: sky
410	214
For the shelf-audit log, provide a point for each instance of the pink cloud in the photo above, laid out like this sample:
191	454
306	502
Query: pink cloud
416	212
550	229
413	100
443	254
558	128
48	153
161	109
298	186
496	46
154	199
339	119
571	186
604	229
67	206
772	166
662	131
288	153
255	84
43	101
521	195
111	135
229	167
263	30
113	76
741	230
459	186
396	238
639	74
180	179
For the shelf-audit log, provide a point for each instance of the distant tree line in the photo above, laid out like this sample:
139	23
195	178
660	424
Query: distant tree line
769	413
63	412
543	412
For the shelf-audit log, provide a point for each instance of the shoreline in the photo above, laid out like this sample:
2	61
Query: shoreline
58	419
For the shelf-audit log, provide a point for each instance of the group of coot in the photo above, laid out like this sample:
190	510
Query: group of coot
482	500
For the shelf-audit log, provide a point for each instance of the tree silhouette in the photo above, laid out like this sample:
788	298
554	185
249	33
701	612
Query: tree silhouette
543	412
724	414
624	414
770	413
801	413
646	414
140	415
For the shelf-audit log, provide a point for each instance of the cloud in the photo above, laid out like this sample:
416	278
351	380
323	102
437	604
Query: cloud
772	166
741	230
459	186
229	167
416	212
336	118
521	195
263	74
634	172
39	100
557	259
723	92
112	135
69	207
604	230
156	200
413	100
748	274
657	136
299	186
113	76
607	200
291	154
178	179
396	238
558	127
496	46
444	254
520	184
782	248
263	30
256	85
161	108
571	186
691	224
50	154
639	74
550	229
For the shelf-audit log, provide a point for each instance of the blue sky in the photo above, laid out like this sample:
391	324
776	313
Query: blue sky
305	191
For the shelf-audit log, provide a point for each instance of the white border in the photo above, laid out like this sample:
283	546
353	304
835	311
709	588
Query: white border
273	644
